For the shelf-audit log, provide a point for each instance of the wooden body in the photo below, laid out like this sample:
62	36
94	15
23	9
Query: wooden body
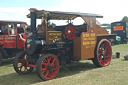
84	46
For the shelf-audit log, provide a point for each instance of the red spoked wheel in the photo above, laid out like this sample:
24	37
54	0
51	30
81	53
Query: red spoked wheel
70	32
103	53
20	63
47	66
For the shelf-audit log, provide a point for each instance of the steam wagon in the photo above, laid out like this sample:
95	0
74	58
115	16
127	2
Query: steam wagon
10	42
121	30
50	45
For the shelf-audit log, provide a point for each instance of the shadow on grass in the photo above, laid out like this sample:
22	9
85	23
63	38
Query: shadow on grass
16	79
32	78
124	60
7	61
76	68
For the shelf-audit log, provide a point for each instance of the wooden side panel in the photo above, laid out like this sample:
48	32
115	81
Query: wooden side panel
93	27
88	43
77	48
100	30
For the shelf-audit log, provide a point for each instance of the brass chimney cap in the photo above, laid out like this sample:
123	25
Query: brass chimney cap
33	10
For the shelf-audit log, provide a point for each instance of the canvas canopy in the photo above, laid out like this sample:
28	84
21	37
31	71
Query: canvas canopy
58	15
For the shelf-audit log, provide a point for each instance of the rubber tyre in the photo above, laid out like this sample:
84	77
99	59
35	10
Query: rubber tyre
1	57
17	57
38	66
96	60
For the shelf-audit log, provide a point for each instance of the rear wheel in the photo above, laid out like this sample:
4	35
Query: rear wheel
47	66
1	57
20	63
103	53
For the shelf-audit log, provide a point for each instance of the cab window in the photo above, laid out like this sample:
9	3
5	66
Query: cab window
20	29
11	29
4	29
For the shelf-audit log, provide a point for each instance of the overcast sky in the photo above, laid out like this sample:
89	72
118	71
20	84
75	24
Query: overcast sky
112	10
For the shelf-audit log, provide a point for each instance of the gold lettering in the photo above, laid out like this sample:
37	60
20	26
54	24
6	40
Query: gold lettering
55	34
59	38
93	42
59	34
86	43
92	34
90	38
85	39
90	46
1	42
93	38
54	38
85	35
9	41
50	38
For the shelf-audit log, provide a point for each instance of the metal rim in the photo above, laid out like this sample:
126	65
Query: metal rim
49	67
104	53
22	63
70	32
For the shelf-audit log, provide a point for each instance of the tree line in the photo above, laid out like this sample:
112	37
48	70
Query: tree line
125	19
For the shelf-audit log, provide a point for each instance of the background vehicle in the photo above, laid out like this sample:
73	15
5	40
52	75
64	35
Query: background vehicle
121	29
10	42
52	46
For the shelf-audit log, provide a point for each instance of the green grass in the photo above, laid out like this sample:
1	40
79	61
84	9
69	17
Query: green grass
82	73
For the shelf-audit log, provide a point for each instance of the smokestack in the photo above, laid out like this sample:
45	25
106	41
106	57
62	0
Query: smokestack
33	21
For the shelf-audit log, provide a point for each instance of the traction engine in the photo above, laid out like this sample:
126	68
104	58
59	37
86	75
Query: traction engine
48	48
11	35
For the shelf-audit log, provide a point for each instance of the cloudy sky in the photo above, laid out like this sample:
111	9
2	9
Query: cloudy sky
112	10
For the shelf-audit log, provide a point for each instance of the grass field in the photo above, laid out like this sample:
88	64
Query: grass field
82	73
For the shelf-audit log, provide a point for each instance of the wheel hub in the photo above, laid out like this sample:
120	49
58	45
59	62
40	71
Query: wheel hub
50	67
103	52
69	31
24	63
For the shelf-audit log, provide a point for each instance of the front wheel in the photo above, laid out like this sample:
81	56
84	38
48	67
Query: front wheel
47	66
20	63
103	53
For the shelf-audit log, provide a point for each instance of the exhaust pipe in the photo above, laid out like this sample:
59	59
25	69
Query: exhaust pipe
33	21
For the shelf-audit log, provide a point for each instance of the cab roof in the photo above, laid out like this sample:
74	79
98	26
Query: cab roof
59	15
11	21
